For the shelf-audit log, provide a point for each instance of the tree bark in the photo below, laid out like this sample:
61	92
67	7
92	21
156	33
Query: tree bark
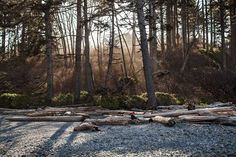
49	40
78	52
111	43
145	55
222	26
88	67
233	32
162	29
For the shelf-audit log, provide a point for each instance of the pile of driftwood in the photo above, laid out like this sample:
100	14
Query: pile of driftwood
92	117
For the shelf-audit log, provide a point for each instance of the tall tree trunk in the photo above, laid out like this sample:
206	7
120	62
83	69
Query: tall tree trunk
222	25
211	20
175	20
206	19
184	27
49	40
145	55
233	32
88	67
203	25
111	44
78	52
152	33
162	29
122	48
168	29
3	42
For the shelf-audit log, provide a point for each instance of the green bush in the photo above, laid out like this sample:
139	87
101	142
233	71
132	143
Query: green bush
68	98
165	99
85	97
63	99
13	100
110	102
127	81
120	102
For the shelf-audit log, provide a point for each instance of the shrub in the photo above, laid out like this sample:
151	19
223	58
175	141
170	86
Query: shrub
85	97
63	99
13	100
165	98
110	102
120	102
127	81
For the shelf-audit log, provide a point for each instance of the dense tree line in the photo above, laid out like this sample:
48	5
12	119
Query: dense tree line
160	27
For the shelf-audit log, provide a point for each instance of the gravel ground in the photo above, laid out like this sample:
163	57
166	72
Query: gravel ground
58	139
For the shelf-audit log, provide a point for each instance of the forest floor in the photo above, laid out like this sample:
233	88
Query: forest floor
58	139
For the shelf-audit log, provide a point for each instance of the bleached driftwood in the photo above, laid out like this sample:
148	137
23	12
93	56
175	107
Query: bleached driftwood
113	120
220	104
167	121
48	119
17	112
86	127
191	112
224	120
56	113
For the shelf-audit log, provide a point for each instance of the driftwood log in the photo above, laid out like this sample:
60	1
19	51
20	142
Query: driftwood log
113	120
86	127
17	112
48	119
191	112
56	113
209	119
167	121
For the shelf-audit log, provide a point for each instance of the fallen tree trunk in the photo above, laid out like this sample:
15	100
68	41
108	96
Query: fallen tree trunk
18	112
56	113
114	120
163	120
48	119
118	120
191	112
171	107
220	104
209	119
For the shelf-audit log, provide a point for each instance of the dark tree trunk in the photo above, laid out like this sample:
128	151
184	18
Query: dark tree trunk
222	25
233	32
145	55
111	44
162	29
88	67
78	52
49	40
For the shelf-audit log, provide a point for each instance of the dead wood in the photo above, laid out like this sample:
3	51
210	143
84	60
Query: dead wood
191	112
48	119
86	127
224	120
167	121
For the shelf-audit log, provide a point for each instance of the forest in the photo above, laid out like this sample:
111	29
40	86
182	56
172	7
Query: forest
117	53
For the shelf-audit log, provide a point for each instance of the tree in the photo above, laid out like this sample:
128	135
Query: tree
145	55
78	52
88	68
49	40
